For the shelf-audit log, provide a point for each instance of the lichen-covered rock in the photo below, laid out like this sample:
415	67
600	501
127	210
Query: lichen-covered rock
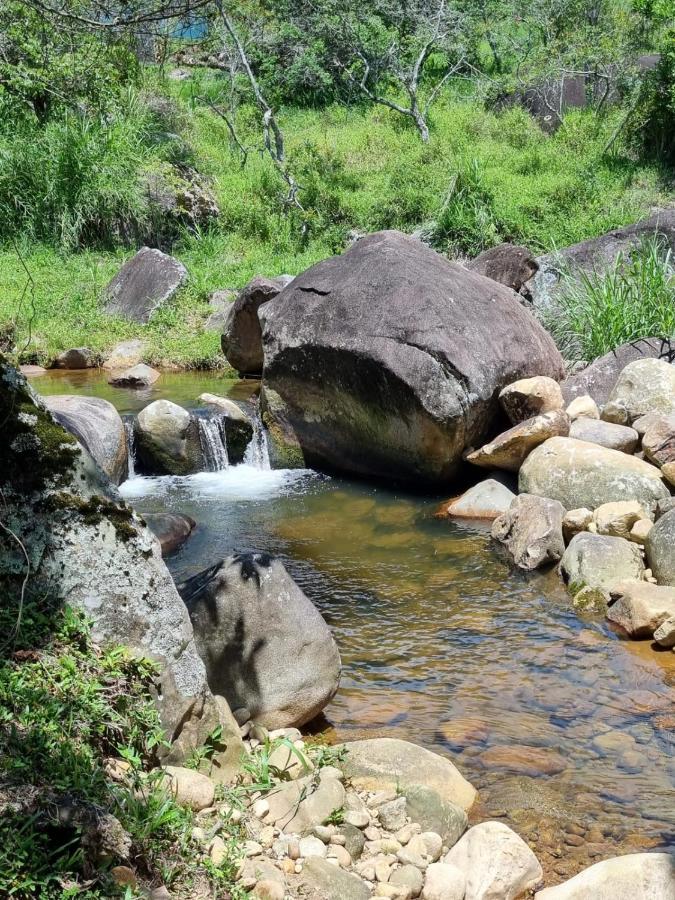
605	434
89	549
598	561
98	427
387	361
644	386
660	549
265	645
530	397
531	531
510	449
167	440
581	474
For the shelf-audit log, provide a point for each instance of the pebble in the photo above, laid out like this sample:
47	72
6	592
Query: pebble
357	817
408	877
260	808
312	846
404	834
287	866
241	715
339	839
266	836
259	733
395	892
335	851
384	845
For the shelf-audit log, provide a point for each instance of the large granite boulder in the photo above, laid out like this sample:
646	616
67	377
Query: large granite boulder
579	474
531	531
98	427
265	645
636	876
387	361
241	339
145	282
167	440
660	549
595	255
89	549
381	763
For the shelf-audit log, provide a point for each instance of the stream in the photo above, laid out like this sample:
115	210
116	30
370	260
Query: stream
565	729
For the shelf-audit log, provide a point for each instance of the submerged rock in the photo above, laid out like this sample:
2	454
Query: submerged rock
98	427
636	876
581	474
264	643
145	282
171	529
531	531
387	361
496	863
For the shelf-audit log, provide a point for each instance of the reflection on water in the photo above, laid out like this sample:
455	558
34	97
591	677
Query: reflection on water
443	645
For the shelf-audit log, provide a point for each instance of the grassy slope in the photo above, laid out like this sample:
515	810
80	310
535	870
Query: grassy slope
360	168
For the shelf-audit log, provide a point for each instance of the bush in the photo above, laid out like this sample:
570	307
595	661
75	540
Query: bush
652	125
634	299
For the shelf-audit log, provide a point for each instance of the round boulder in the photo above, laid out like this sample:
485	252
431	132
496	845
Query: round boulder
264	643
644	386
98	427
578	474
530	397
167	440
387	361
75	358
599	561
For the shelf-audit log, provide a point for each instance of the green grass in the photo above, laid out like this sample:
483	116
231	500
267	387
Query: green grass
633	299
482	179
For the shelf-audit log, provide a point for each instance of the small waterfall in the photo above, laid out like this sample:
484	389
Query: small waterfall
257	453
214	444
131	447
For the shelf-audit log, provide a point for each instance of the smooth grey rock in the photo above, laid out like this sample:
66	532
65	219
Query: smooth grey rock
98	427
354	839
665	633
598	561
393	814
146	281
641	608
75	358
387	361
298	806
320	880
434	813
496	863
91	550
408	877
660	549
171	529
485	500
598	379
264	643
636	876
138	376
388	762
606	434
531	531
579	474
509	264
167	440
241	339
644	386
125	355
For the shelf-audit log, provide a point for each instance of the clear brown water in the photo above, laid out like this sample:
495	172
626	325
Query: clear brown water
442	644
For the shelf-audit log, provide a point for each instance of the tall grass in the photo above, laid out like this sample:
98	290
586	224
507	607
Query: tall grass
634	299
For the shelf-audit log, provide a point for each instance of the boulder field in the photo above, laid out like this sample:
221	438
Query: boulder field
387	361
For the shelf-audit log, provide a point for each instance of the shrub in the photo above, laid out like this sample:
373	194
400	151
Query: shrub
634	299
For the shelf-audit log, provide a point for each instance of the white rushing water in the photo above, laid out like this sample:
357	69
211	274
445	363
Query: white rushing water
257	453
214	444
241	482
131	449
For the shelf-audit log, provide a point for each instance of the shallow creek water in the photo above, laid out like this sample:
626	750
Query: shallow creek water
565	729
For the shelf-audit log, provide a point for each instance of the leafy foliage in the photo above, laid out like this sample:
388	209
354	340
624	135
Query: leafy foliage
634	299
